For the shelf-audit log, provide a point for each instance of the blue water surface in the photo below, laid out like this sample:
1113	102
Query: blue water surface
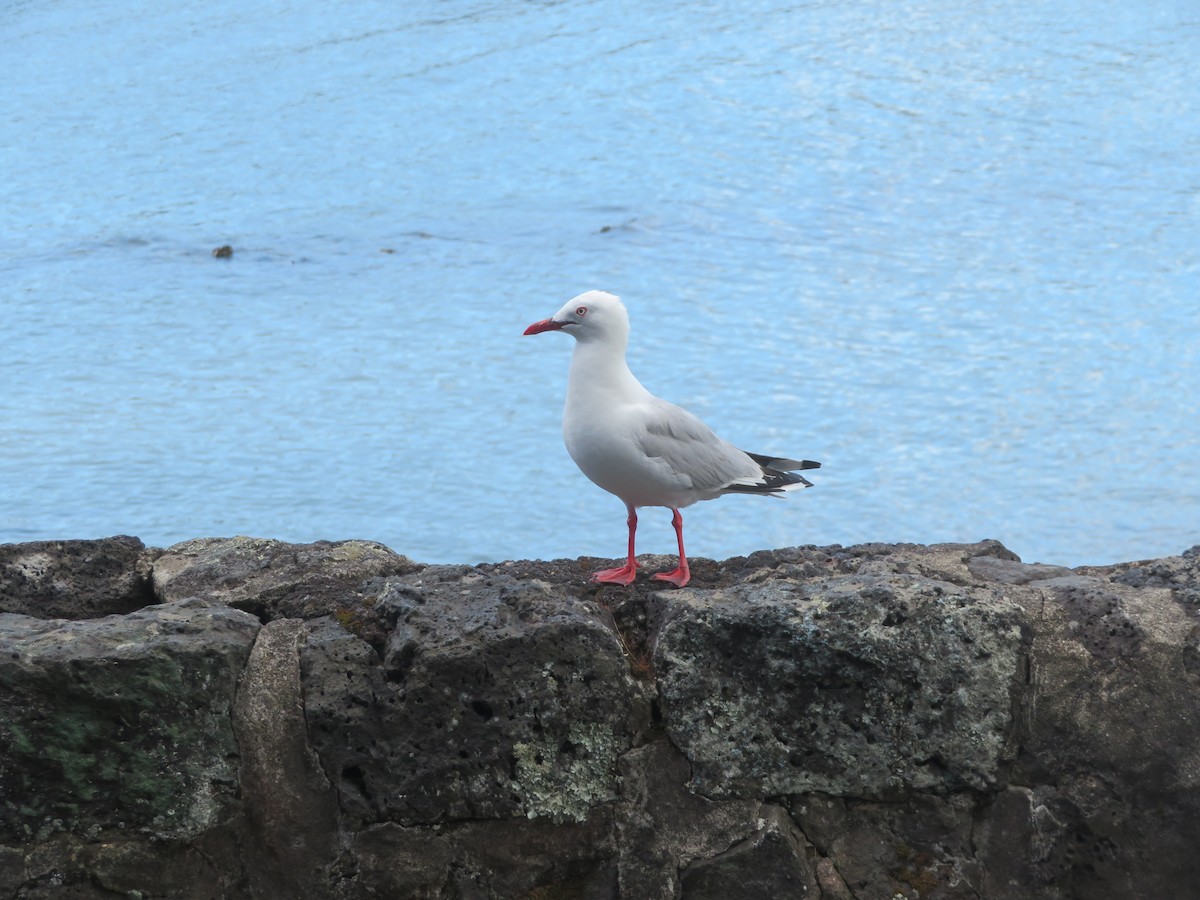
950	249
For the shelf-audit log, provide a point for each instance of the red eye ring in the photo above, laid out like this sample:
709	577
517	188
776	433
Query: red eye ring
581	311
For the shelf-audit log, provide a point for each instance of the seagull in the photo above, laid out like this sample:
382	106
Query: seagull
646	451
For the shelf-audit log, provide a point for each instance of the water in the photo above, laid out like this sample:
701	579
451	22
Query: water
950	249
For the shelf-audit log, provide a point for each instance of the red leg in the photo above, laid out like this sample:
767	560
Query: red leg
681	575
626	573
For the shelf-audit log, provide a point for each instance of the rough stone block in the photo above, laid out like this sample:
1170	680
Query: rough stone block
772	862
74	579
120	723
493	699
274	579
867	686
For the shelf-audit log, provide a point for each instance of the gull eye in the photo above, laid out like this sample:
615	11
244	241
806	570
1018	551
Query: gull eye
581	311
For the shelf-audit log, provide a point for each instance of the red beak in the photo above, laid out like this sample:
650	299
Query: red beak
544	325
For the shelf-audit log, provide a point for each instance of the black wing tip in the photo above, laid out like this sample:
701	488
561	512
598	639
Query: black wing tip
791	481
774	484
782	464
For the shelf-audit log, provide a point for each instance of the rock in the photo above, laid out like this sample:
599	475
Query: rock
486	858
118	866
74	579
1111	728
294	820
922	847
1016	837
273	579
120	723
1013	571
830	881
663	827
493	699
771	863
865	686
840	723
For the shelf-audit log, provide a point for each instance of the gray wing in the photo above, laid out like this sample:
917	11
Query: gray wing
687	447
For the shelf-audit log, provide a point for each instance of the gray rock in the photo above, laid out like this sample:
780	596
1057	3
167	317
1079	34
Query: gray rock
1016	837
841	723
120	723
273	579
74	579
1084	582
1013	571
495	858
772	862
493	699
922	847
294	819
865	686
118	865
663	828
1110	738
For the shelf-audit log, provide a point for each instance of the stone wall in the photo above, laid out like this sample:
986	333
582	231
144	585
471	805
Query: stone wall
246	718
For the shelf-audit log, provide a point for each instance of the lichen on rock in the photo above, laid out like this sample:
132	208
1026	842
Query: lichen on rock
492	698
120	722
249	718
866	686
564	781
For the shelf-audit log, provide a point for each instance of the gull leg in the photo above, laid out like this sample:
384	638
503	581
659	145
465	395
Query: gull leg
626	573
681	575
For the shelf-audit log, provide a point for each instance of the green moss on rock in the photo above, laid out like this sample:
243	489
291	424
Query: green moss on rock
125	725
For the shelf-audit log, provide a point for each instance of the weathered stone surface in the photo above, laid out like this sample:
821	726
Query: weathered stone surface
120	723
496	858
1016	837
494	698
866	686
74	579
1111	728
273	579
922	847
663	827
772	862
116	865
294	821
841	723
1012	571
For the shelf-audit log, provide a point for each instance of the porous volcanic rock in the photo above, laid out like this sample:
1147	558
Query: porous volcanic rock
273	579
861	686
120	723
244	718
75	579
492	698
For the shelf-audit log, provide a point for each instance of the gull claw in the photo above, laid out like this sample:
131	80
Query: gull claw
623	575
678	577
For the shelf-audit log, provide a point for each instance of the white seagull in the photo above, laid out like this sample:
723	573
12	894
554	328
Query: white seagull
643	449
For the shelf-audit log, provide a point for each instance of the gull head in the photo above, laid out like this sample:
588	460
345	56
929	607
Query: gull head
592	316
